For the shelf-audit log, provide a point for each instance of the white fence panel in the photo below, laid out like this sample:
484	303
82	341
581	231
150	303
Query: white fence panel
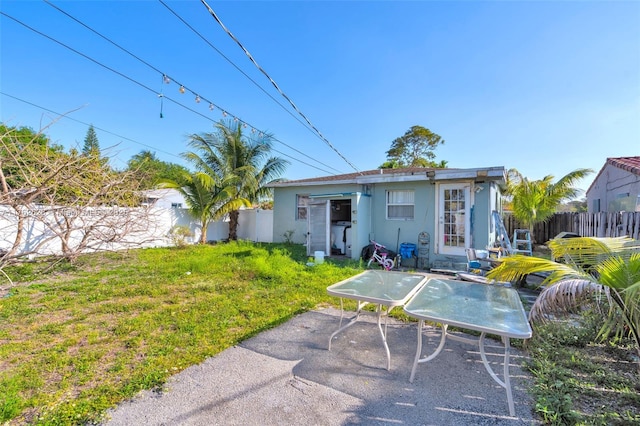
138	227
256	225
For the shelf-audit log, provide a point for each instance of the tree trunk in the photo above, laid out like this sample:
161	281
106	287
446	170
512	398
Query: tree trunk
233	225
203	234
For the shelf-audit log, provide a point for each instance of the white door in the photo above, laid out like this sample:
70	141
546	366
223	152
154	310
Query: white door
453	219
318	227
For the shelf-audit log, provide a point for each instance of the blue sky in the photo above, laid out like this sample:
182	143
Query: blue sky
545	87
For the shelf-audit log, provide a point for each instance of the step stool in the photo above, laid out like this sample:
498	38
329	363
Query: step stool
522	242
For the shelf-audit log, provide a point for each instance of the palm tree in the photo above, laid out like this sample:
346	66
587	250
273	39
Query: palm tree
535	201
240	161
590	266
207	199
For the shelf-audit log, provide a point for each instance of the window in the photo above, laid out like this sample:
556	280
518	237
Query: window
302	207
176	205
400	205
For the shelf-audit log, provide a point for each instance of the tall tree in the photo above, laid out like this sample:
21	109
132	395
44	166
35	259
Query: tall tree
91	145
150	170
414	149
22	146
67	194
239	160
534	201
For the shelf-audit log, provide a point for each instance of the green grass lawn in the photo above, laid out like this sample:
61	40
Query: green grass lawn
76	342
81	338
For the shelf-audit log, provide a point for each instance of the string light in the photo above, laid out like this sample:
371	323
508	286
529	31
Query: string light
166	79
224	113
197	99
211	107
181	89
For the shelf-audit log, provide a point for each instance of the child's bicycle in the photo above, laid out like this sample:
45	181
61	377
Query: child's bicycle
380	258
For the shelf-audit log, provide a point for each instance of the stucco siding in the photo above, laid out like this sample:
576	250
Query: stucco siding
614	190
385	231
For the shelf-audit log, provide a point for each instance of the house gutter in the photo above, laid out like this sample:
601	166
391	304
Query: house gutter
338	194
484	173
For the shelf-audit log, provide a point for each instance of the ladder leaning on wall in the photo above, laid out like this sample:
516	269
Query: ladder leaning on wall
502	237
521	238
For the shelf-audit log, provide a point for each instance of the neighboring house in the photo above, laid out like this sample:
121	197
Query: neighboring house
253	224
616	188
341	214
168	198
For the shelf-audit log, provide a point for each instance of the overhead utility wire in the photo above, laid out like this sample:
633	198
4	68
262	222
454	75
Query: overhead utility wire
126	138
236	67
153	91
86	124
171	78
148	88
275	84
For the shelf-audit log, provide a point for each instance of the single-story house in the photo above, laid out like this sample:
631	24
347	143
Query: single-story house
616	188
441	211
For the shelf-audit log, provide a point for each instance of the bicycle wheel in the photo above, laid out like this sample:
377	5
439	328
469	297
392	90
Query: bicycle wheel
369	262
388	264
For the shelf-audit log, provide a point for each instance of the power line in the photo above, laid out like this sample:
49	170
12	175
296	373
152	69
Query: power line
235	66
168	98
168	79
213	14
86	124
128	139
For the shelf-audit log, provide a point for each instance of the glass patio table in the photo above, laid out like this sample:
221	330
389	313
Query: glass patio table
488	309
386	289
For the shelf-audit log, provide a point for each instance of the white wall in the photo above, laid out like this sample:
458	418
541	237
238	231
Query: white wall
617	190
256	225
131	227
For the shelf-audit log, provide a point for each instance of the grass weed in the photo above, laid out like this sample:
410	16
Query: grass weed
580	380
81	339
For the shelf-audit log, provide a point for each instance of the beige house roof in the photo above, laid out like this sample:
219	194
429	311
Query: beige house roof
409	173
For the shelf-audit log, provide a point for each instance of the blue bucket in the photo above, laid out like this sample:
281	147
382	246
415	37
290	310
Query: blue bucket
407	250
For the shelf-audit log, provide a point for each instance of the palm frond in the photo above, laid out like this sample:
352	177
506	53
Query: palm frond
564	297
587	252
515	268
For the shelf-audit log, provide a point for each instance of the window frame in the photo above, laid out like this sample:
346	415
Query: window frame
302	207
388	205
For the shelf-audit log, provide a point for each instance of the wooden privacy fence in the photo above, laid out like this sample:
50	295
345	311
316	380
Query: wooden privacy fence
584	224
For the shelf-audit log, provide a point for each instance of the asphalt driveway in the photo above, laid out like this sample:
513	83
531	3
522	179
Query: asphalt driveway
286	376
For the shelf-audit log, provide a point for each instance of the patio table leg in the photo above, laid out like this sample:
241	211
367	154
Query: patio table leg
417	360
353	320
383	331
506	383
383	334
